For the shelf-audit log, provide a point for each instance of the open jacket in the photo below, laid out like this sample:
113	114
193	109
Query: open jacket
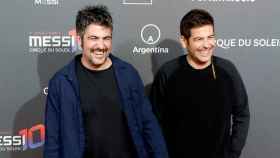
64	122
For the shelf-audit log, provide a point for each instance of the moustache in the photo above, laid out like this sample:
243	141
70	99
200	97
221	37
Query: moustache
99	50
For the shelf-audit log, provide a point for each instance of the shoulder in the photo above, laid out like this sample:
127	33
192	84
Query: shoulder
226	65
223	62
167	69
125	71
60	75
123	65
229	68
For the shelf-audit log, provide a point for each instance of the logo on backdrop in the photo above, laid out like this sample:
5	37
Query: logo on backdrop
248	42
76	47
150	35
35	136
25	139
52	42
11	142
137	2
224	1
46	2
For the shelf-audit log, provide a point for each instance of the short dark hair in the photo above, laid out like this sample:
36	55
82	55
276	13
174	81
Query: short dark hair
97	14
193	19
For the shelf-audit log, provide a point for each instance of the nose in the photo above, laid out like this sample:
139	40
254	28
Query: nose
207	43
101	44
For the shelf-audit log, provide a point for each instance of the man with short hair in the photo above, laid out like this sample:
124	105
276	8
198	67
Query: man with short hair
200	99
96	106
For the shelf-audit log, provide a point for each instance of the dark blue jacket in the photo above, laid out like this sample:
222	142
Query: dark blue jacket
63	117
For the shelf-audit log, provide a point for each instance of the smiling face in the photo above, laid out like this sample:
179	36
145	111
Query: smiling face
97	45
200	46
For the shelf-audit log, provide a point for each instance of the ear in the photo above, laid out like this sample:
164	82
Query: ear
80	41
183	42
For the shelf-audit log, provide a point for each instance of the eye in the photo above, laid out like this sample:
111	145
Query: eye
108	38
92	37
198	39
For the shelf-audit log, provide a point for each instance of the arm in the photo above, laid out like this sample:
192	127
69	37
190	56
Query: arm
157	95
52	123
151	129
240	116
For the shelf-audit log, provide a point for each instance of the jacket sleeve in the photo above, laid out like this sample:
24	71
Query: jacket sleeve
151	129
240	115
52	123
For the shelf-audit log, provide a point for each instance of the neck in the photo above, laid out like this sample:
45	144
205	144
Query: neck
196	64
101	67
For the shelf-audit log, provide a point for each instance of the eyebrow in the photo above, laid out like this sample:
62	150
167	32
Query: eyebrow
203	37
90	36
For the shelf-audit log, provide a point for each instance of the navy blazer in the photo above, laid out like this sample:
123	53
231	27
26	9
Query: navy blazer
63	117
